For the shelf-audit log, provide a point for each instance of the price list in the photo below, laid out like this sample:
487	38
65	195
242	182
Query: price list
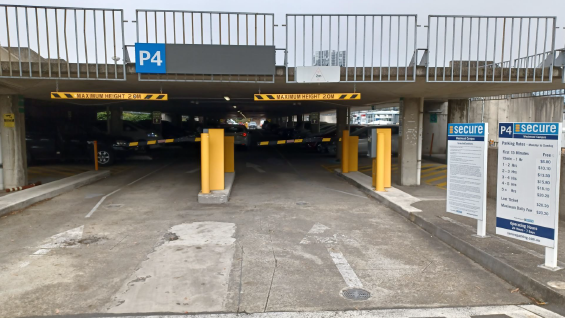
528	175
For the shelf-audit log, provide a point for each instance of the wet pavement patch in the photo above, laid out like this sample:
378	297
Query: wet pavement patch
170	237
356	294
301	203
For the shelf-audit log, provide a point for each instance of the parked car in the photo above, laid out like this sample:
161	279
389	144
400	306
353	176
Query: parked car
168	130
67	141
240	133
130	130
252	125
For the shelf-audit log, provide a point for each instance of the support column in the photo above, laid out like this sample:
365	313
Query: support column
116	124
411	111
13	142
341	125
457	111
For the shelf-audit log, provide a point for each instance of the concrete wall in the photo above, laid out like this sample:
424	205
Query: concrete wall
438	130
492	169
534	109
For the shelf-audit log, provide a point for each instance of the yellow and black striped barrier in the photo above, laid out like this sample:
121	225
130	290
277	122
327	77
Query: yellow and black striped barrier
108	96
309	96
163	141
295	141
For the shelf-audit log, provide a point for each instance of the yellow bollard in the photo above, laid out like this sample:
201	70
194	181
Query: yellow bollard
380	162
353	153
96	155
205	162
388	155
216	159
229	165
345	152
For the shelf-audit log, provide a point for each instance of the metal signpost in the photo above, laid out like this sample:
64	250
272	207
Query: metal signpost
466	172
529	165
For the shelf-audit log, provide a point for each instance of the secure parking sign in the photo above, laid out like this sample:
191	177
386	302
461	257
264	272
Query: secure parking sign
150	58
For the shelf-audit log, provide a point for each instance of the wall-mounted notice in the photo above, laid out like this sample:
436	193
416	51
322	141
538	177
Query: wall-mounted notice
466	171
529	162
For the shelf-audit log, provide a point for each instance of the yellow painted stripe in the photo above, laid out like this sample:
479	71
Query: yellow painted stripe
169	140
280	142
297	140
326	139
443	184
133	144
429	165
436	178
434	168
152	142
264	143
433	173
197	139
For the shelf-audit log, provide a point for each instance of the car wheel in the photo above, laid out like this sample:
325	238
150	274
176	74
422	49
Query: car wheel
106	157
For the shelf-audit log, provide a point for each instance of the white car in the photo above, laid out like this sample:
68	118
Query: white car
240	133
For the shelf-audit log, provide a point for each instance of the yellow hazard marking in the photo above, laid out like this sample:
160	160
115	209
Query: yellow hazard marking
310	96
132	144
434	168
433	173
169	140
280	142
152	142
106	96
297	140
436	178
326	139
263	143
197	139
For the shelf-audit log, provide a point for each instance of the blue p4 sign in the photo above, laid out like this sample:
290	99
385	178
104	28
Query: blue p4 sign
150	58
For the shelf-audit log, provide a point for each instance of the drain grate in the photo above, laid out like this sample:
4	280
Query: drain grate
356	294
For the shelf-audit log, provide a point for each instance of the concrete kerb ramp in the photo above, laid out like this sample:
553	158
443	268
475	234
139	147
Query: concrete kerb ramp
25	198
484	253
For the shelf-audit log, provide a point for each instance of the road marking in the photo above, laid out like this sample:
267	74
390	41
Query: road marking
100	202
344	268
147	175
346	271
433	173
355	195
434	168
254	166
65	239
193	170
109	194
436	179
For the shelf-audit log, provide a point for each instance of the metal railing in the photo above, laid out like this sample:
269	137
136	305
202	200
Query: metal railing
480	48
371	48
547	93
205	28
61	43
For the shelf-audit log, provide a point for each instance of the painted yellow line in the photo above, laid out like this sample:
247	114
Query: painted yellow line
429	165
280	142
433	173
263	143
436	179
441	185
297	141
434	168
169	140
133	144
152	142
326	139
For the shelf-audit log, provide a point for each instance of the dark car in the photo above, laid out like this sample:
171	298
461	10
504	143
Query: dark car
169	131
67	141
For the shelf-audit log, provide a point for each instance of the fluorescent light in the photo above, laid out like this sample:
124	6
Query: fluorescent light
227	98
234	106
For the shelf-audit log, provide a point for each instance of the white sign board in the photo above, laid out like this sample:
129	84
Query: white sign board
466	171
529	162
317	74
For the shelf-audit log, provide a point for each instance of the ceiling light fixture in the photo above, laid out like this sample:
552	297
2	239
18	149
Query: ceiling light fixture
227	98
234	106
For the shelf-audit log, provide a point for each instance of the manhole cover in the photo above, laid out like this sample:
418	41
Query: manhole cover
356	294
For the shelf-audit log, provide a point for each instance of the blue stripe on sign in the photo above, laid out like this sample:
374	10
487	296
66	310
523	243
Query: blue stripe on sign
524	136
466	138
526	228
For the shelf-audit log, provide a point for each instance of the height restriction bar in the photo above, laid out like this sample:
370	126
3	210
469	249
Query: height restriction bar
109	96
310	96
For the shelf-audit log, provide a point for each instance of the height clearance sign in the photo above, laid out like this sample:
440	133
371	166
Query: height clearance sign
529	162
466	171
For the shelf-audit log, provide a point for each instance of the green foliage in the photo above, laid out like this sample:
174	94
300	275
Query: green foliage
131	116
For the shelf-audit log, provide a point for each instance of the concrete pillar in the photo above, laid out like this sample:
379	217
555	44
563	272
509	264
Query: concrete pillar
411	112
116	124
457	111
315	122
13	142
341	125
175	119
